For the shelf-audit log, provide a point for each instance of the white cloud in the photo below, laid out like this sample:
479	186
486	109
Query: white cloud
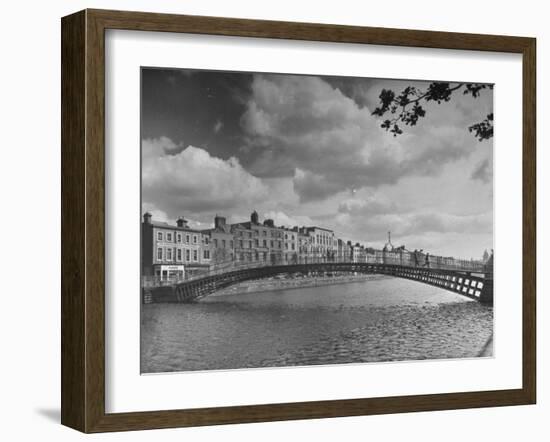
310	186
282	219
302	127
153	149
218	126
161	216
193	180
362	222
313	155
370	205
483	171
157	215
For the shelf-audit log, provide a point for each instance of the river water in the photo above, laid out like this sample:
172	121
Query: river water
382	319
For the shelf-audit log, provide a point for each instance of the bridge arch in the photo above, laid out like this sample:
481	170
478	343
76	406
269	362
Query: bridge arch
476	286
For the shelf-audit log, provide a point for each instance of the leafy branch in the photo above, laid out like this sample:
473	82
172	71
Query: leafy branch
406	108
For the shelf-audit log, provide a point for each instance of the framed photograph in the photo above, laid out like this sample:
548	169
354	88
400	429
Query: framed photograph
267	221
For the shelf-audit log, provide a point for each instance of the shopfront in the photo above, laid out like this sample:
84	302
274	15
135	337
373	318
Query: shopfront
169	272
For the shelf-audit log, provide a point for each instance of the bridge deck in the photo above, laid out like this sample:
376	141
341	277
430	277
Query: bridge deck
474	282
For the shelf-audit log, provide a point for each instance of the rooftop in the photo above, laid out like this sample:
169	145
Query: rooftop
165	225
319	228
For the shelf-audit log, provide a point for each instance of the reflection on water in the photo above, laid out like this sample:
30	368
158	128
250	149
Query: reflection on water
379	320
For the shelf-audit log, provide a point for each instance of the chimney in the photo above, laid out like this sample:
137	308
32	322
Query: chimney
181	222
147	218
219	222
269	223
254	218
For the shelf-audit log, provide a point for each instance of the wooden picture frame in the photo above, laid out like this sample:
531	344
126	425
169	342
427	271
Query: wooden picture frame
83	220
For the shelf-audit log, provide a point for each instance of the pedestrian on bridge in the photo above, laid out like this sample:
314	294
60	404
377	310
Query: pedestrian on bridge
416	263
427	260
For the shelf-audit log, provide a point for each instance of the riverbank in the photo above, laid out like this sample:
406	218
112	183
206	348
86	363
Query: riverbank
487	350
274	284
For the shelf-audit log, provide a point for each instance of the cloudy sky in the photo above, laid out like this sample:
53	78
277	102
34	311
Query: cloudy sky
305	150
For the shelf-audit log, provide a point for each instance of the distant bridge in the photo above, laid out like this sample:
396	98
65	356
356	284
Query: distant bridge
472	279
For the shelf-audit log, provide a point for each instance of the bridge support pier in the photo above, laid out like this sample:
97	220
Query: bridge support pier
486	296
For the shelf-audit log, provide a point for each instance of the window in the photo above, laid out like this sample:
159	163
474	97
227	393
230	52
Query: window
168	236
194	239
169	254
265	243
231	244
286	236
249	244
286	245
292	246
280	245
195	255
215	242
178	256
206	239
264	232
187	255
241	243
178	237
187	239
256	243
206	254
223	243
271	243
242	256
159	253
159	236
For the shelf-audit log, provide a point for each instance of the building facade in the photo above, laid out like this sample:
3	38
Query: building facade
168	251
305	245
246	247
343	252
267	239
219	243
356	252
290	245
173	252
323	243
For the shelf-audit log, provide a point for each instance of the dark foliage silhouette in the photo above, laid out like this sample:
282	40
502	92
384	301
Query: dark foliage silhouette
406	108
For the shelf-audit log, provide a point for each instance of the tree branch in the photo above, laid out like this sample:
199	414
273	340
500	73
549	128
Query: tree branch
436	91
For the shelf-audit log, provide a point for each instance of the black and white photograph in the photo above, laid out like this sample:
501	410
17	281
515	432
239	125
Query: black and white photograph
269	221
302	220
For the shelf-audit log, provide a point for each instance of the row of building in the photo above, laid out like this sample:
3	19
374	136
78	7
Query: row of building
168	251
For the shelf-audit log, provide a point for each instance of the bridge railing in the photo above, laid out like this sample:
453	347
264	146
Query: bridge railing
402	258
419	259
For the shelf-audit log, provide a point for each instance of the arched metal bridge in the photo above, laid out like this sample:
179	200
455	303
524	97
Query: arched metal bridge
467	278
